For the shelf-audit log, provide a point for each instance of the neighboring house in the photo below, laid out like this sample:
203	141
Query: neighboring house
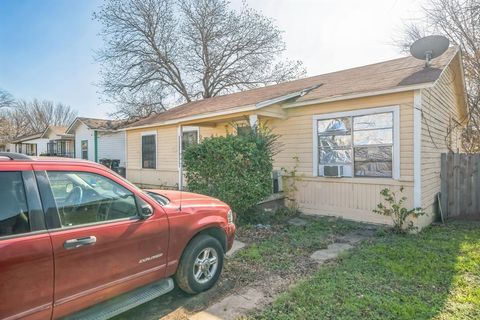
52	142
60	144
354	132
97	139
30	145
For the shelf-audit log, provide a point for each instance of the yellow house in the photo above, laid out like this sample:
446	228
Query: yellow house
354	133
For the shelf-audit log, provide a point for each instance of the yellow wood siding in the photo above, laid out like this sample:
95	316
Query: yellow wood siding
439	108
352	198
166	173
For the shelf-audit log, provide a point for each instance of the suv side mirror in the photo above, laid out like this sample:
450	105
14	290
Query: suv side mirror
144	209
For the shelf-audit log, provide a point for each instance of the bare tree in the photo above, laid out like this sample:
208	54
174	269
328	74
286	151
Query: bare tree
183	50
459	20
28	117
6	99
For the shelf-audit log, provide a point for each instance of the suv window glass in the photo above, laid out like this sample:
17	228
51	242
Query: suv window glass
84	198
13	205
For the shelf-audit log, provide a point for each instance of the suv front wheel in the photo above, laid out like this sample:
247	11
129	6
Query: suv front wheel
200	265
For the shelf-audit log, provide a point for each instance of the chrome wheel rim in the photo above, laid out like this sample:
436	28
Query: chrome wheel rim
205	266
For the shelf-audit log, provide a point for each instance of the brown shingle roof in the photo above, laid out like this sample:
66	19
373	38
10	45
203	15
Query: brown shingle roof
387	75
101	124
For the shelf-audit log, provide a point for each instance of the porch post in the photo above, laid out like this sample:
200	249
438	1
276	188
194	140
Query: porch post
180	158
253	120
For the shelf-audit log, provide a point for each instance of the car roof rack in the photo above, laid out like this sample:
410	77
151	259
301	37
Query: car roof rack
14	156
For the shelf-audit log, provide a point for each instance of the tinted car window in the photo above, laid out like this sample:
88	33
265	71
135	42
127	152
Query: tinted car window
84	198
13	205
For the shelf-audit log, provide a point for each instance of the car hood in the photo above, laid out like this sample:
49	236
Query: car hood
188	198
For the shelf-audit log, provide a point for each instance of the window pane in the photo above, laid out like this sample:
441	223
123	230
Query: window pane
148	152
382	153
335	156
189	138
332	126
83	198
373	121
84	145
335	141
379	136
14	217
373	169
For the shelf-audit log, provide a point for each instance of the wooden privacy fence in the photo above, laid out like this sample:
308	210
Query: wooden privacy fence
460	186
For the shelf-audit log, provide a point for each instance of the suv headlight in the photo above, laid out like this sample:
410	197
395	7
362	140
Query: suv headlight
230	216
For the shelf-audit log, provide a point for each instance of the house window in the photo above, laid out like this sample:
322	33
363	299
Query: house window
84	149
149	147
244	130
358	145
189	138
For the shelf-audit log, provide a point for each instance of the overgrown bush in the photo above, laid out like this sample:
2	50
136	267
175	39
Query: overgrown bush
233	168
396	210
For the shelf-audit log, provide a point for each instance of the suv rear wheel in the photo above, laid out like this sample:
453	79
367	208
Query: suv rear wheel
200	265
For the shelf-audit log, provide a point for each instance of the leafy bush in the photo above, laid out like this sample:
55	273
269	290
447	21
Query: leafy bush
234	168
397	211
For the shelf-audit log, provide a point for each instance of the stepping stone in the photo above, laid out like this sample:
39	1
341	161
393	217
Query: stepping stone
331	252
232	306
237	245
299	222
352	238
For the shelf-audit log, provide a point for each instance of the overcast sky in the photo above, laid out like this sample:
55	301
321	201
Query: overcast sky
46	47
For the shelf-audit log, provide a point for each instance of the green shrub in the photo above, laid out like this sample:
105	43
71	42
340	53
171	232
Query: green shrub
397	211
233	168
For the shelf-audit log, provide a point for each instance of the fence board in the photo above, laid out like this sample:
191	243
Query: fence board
460	185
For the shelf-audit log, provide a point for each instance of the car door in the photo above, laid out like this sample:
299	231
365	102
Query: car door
26	257
101	245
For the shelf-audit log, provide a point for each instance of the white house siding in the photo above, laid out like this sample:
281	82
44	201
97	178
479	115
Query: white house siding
84	133
111	145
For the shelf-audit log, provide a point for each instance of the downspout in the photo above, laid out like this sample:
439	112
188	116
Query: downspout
180	159
95	144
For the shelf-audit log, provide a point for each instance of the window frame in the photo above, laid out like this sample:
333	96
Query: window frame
55	224
81	149
188	129
394	109
143	134
36	217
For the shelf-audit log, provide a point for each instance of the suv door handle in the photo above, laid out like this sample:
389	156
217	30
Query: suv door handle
80	242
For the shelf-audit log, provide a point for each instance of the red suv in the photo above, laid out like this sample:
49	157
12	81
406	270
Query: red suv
80	242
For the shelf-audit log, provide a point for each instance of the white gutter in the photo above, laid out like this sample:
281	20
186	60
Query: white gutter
246	108
253	107
358	95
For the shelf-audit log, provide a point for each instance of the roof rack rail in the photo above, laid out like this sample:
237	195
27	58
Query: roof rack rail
14	156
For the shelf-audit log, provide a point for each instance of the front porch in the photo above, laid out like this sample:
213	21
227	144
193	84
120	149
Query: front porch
60	148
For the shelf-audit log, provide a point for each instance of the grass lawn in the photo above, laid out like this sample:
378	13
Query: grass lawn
432	275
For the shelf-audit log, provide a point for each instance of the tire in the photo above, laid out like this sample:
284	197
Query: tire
194	277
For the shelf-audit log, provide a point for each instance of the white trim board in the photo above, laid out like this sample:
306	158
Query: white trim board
417	148
395	109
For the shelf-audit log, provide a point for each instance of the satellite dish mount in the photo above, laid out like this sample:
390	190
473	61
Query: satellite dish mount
428	48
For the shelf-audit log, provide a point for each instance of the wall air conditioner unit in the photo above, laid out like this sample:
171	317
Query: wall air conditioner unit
333	171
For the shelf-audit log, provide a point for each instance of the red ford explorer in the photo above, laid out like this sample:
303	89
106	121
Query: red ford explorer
79	242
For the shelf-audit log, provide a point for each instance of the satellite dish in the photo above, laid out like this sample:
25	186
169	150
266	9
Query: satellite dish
428	48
